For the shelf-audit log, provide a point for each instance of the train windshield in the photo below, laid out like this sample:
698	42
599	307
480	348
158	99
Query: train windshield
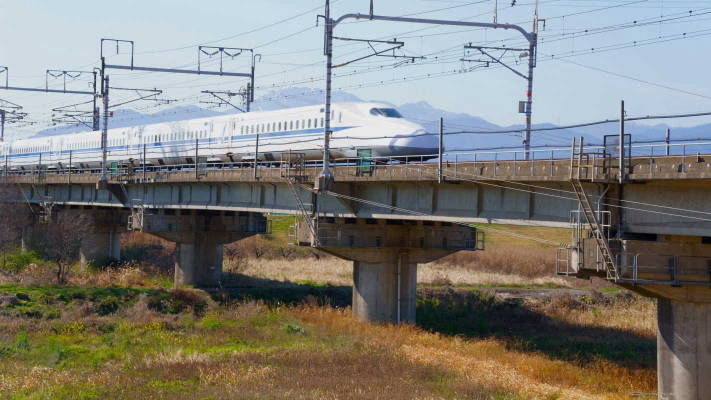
386	112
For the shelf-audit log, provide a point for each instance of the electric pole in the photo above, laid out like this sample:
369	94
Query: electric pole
325	180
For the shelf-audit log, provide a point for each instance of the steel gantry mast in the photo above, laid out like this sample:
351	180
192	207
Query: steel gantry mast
63	74
325	180
9	112
203	51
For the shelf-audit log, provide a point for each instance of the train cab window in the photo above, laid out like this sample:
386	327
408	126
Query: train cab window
385	112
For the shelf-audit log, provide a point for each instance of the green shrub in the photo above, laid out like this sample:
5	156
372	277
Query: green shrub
294	329
22	340
108	305
17	260
212	322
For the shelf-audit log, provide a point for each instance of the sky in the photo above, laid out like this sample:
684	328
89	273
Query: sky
654	54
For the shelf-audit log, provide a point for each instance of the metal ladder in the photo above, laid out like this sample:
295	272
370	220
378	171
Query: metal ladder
311	222
596	228
136	219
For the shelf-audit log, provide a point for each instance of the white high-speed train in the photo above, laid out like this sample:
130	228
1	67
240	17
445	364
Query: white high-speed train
359	130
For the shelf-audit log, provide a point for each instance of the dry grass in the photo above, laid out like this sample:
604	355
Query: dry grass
629	313
339	272
492	362
497	239
233	352
523	261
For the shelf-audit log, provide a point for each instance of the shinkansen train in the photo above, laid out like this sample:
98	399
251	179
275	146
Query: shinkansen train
359	130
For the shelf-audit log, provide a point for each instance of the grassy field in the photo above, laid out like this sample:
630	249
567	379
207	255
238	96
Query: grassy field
95	343
281	328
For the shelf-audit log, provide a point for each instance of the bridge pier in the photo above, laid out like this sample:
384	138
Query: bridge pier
103	243
683	350
26	238
676	270
385	291
385	254
199	237
198	260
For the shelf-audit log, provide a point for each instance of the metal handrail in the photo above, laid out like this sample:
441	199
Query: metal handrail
72	161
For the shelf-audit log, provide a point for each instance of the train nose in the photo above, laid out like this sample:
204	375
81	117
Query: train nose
418	142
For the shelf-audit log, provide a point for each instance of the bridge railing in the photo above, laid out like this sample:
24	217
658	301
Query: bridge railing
664	269
143	160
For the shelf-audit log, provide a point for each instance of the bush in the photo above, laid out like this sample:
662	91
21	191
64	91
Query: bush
108	305
16	261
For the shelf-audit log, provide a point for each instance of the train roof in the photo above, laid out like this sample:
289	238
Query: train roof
361	106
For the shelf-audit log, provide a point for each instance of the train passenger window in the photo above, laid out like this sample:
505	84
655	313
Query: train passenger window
321	122
315	122
340	117
309	125
291	125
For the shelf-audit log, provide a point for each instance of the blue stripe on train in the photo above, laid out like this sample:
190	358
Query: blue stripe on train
299	133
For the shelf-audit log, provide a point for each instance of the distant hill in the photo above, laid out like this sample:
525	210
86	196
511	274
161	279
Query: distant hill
420	112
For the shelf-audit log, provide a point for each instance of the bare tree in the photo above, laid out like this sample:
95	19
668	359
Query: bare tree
14	218
60	241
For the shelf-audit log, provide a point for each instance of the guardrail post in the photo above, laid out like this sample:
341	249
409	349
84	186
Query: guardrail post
197	162
145	165
667	139
441	149
475	157
683	158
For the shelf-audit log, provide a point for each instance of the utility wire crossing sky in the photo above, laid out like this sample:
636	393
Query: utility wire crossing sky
592	53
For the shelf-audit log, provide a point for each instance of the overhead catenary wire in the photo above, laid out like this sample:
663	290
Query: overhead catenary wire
422	77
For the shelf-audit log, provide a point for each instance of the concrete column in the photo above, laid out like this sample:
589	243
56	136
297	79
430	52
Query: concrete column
100	245
198	262
385	291
26	238
683	350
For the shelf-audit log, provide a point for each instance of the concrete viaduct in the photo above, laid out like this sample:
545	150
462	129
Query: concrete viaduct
655	225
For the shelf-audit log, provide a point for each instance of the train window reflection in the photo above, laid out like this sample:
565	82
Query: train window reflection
385	112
